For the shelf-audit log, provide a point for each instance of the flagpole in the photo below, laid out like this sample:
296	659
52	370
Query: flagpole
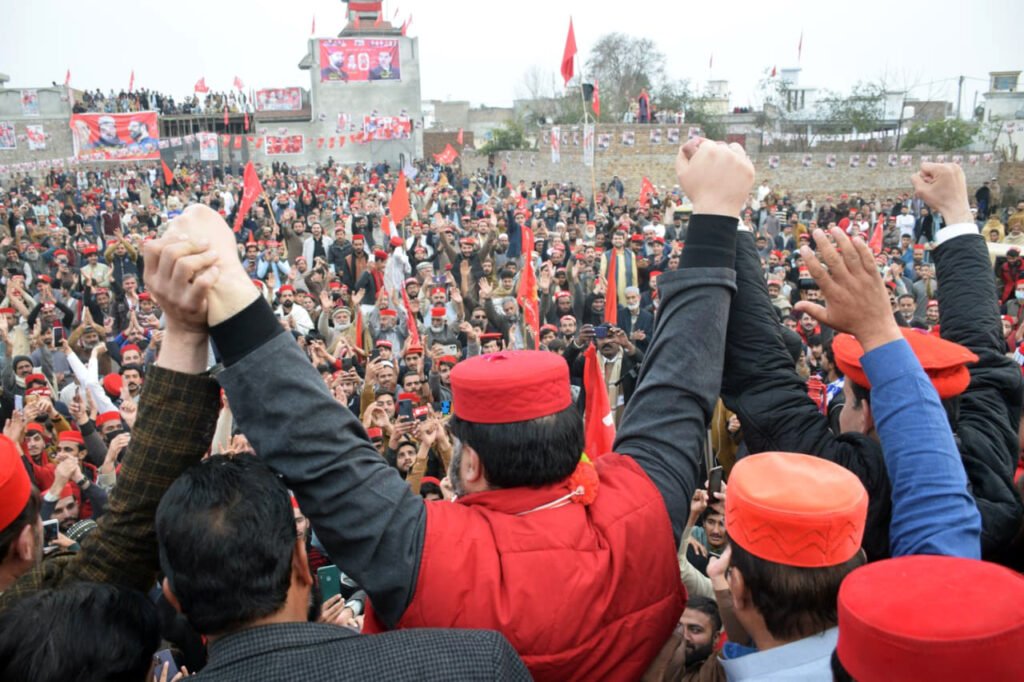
593	172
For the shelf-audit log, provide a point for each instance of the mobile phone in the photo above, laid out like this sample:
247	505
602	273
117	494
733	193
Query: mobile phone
446	407
601	331
164	656
330	581
19	403
50	530
714	483
404	410
451	349
421	413
58	335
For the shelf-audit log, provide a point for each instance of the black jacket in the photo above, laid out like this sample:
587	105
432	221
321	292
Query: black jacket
628	374
760	384
989	410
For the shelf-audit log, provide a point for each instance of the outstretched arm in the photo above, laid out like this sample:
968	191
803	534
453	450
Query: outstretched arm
683	367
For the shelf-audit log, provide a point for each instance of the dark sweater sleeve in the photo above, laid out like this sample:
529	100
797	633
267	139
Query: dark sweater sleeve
683	366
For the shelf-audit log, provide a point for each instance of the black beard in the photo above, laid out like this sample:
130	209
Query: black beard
287	305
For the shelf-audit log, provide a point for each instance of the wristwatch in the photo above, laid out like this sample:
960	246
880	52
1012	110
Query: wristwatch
82	483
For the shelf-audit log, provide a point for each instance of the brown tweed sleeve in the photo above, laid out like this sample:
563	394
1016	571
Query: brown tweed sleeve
177	416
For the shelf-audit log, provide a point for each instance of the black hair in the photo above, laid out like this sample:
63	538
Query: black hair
227	533
79	633
534	452
138	368
708	607
794	601
29	515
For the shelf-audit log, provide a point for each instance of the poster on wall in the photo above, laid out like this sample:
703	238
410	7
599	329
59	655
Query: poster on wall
30	102
207	146
279	99
381	128
604	140
344	60
7	137
36	137
116	137
277	146
672	135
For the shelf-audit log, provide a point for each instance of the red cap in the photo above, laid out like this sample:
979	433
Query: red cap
438	290
89	250
448	360
384	344
112	384
108	417
563	294
412	350
409	396
510	386
33	378
60	252
15	486
469	241
438	312
131	346
45	278
904	619
796	510
548	327
388	312
431	480
71	436
943	361
374	432
396	241
491	336
145	296
380	254
286	287
7	311
36	427
637	238
357	238
918	247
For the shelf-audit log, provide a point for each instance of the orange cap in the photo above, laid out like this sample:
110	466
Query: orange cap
943	361
796	510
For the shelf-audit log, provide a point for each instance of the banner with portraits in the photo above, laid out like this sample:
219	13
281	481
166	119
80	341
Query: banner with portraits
30	102
36	138
279	146
345	60
279	99
208	150
8	140
383	128
116	137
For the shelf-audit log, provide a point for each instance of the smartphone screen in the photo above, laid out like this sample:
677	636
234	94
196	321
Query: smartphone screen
405	409
330	581
600	332
19	403
714	482
446	407
58	335
50	530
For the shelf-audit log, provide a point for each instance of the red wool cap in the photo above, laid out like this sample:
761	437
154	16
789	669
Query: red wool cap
108	417
374	432
384	344
34	378
903	619
15	486
447	360
6	311
408	396
71	436
89	250
396	241
131	346
388	312
943	361
286	287
380	254
510	386
438	312
112	384
795	509
414	350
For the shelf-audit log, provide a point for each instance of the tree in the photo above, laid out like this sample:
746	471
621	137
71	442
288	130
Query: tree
944	135
624	66
508	137
862	111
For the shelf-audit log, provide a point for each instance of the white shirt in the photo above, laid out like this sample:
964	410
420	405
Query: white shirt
906	223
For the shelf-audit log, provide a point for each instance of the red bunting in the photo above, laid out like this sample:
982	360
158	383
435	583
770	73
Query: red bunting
238	141
225	117
259	142
569	54
251	190
599	427
320	143
459	138
341	141
330	142
238	84
245	121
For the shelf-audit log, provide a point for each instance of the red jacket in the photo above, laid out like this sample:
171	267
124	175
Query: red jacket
581	592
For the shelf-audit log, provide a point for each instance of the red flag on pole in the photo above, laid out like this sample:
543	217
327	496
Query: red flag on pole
238	83
201	86
597	100
800	47
238	141
385	226
359	328
225	117
131	81
569	54
447	156
245	121
399	204
355	21
379	21
773	72
459	138
251	190
414	330
527	294
312	31
611	294
599	425
67	78
646	190
168	175
876	236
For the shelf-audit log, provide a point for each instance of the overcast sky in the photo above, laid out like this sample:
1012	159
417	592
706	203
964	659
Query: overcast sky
479	51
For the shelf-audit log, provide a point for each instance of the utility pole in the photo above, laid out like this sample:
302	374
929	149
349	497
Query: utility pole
959	90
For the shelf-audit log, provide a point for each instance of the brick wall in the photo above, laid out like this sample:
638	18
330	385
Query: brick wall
657	162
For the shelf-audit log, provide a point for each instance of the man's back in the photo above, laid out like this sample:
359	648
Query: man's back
312	651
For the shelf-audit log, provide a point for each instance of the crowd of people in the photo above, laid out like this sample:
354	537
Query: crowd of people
722	432
125	102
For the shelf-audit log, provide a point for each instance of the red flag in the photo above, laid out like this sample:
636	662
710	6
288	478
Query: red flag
355	21
773	72
201	86
597	100
259	141
414	330
238	141
320	143
569	54
341	141
312	31
459	138
385	226
251	190
359	328
611	294
379	20
800	46
646	190
330	142
599	425
399	204
245	121
131	81
876	236
168	175
447	156
67	78
238	83
405	25
527	294
225	117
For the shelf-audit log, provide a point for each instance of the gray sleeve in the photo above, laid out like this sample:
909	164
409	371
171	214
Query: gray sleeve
362	511
665	422
96	449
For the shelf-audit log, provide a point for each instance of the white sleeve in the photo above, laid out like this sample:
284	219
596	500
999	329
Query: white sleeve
91	383
957	230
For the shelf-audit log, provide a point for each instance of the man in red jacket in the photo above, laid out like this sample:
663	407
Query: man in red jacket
572	560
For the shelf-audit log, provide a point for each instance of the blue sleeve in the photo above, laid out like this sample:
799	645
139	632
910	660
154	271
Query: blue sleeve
932	510
515	236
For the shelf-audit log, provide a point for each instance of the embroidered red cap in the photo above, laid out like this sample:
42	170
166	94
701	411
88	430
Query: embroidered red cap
795	509
897	622
107	417
511	386
438	312
943	361
71	436
15	486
